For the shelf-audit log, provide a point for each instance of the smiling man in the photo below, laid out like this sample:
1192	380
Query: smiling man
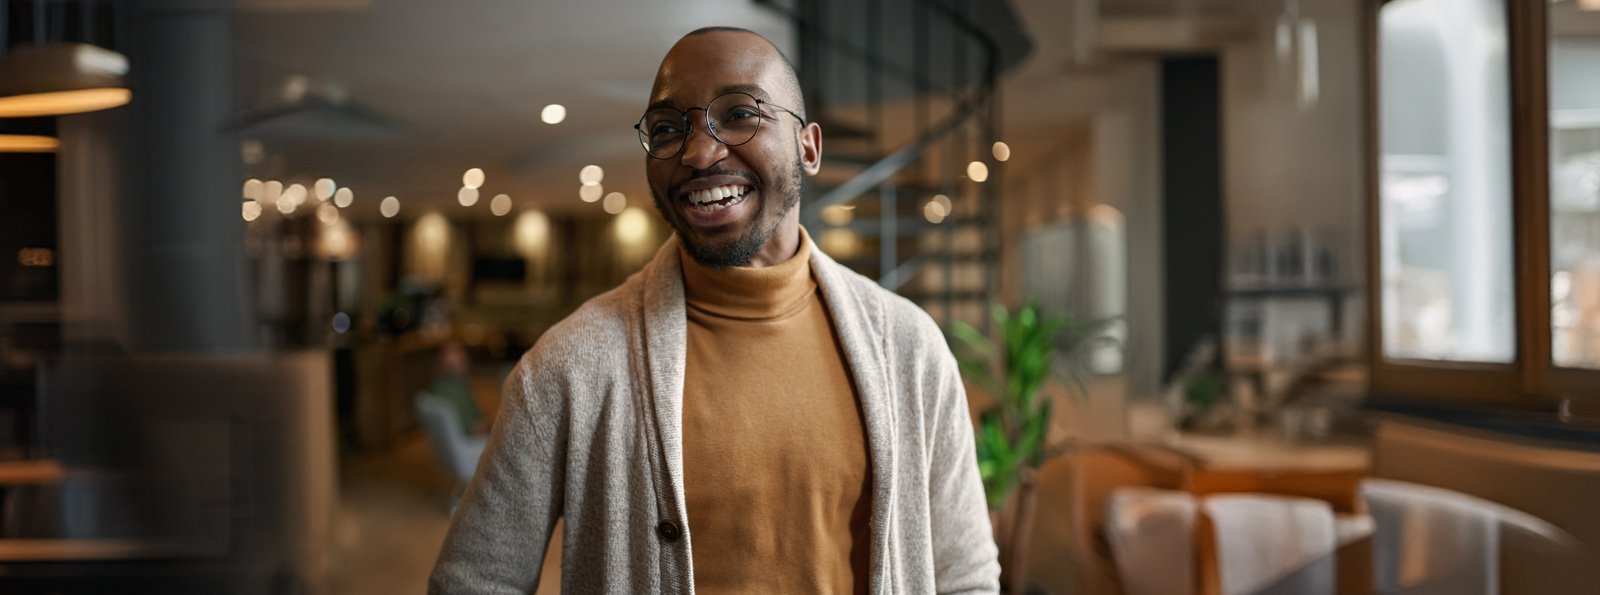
744	415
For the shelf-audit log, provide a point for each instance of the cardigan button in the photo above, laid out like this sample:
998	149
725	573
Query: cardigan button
668	531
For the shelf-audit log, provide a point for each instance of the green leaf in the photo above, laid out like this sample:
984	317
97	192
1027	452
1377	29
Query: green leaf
972	338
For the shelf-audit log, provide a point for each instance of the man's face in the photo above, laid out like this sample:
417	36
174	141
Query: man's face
763	178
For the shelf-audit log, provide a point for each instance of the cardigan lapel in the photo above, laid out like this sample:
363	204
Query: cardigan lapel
858	319
665	334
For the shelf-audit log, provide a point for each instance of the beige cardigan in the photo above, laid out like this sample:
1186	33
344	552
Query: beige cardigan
589	429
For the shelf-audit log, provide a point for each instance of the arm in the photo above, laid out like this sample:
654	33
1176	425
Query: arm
965	557
498	535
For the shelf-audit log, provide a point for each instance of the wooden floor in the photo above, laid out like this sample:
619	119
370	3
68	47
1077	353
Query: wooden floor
392	518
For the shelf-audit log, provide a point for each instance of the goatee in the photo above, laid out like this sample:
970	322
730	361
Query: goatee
761	227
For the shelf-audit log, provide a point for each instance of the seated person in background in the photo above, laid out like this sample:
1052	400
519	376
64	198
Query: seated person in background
451	384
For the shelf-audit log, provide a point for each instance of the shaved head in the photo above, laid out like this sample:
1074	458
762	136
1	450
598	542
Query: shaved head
787	93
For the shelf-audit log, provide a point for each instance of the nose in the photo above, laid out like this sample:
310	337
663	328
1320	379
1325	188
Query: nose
701	150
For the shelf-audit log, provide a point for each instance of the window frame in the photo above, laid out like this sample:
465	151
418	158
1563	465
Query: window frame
1532	375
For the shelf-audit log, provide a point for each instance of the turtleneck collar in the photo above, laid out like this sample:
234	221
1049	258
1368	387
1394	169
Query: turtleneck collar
750	293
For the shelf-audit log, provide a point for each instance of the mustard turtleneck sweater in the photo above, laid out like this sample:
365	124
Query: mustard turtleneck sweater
774	448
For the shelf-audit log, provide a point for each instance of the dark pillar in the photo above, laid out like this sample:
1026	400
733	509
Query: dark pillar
1192	206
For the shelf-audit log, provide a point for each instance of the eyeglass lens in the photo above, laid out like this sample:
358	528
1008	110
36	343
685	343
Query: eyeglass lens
732	119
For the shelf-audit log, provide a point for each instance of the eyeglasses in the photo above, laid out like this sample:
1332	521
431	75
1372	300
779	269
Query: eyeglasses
733	119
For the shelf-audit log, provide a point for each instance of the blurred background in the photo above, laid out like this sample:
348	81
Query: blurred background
264	265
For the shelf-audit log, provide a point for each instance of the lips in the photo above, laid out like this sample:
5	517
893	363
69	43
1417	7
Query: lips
717	198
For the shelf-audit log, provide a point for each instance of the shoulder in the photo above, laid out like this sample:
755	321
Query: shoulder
902	323
593	337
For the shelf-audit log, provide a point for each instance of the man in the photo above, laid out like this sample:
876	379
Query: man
452	385
744	415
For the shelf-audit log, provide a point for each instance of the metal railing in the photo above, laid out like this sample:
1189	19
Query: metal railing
841	40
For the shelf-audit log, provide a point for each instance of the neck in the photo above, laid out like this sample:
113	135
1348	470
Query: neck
782	245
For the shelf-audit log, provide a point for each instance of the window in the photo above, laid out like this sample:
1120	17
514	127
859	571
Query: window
1575	184
1445	181
1485	208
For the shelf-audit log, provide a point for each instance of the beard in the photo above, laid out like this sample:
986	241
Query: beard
762	224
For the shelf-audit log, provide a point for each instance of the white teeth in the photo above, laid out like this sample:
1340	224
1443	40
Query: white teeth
706	200
698	197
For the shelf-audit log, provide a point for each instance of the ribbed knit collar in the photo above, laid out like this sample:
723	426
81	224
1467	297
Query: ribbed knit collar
750	293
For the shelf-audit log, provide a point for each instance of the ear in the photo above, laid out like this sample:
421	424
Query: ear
811	148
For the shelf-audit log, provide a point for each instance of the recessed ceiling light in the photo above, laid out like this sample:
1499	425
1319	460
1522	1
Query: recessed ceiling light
553	113
977	171
324	188
615	202
253	189
1002	151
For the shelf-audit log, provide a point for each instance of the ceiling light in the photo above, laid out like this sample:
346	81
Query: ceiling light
1002	151
61	78
251	210
944	203
590	193
253	189
343	197
324	188
500	205
933	212
271	192
553	113
27	143
389	207
977	171
328	214
591	175
468	196
473	178
295	194
615	202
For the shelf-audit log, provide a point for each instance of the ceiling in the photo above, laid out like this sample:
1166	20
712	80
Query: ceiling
447	86
464	84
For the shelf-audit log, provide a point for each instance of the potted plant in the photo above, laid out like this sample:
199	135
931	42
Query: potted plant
1013	434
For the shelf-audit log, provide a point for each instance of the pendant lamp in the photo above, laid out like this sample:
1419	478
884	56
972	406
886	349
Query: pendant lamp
28	143
61	78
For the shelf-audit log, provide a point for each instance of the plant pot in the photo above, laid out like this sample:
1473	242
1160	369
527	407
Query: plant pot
1013	528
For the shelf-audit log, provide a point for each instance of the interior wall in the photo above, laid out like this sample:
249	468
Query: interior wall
1110	160
1285	165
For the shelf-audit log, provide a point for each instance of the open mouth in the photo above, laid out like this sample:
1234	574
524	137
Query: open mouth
718	198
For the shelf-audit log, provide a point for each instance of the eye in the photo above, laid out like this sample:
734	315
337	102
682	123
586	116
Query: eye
663	128
742	112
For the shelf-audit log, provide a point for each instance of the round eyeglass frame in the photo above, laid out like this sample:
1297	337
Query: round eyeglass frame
644	139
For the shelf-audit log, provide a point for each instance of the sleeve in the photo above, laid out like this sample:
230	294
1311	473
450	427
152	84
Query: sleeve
965	557
500	530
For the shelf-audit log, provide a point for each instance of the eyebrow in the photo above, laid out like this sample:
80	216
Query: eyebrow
753	90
